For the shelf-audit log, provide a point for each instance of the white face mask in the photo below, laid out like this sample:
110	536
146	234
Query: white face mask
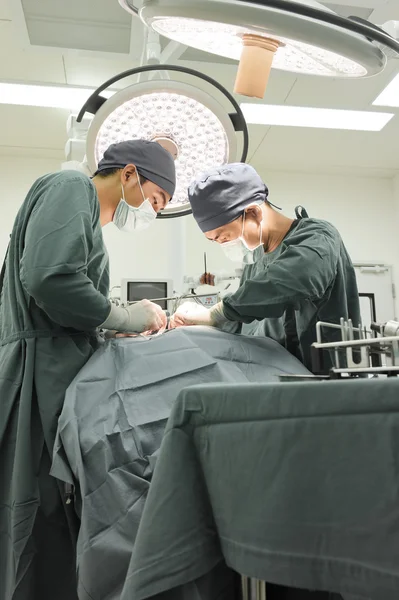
129	218
237	250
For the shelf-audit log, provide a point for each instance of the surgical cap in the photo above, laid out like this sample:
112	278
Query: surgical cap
151	160
221	195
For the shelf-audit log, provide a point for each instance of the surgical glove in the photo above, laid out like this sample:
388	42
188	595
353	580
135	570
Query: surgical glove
136	318
194	314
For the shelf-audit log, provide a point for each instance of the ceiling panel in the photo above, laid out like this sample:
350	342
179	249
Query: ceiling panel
5	10
349	10
26	65
89	10
357	3
100	37
381	10
385	11
339	93
92	71
321	149
95	25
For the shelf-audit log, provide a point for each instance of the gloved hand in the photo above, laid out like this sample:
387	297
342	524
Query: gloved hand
190	313
136	318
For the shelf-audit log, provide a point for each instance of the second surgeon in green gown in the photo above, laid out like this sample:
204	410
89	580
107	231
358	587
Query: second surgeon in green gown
295	271
53	297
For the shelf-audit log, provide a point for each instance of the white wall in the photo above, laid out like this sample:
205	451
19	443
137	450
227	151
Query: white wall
365	210
362	209
157	252
17	173
395	190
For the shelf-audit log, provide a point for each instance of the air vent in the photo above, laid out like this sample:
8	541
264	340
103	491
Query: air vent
97	25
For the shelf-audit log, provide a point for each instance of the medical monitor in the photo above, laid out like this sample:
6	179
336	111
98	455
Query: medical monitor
156	290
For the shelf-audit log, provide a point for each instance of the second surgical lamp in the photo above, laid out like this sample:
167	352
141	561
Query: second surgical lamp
198	129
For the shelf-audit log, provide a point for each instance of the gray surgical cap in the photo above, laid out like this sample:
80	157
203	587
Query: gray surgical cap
151	160
221	195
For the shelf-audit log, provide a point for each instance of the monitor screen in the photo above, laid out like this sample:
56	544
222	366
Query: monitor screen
150	290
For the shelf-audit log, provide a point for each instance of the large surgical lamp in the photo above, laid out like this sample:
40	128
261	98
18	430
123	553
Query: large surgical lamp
301	36
197	129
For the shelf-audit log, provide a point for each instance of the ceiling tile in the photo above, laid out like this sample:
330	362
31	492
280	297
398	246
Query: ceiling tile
294	148
385	11
339	93
92	71
355	3
99	37
5	10
89	10
25	64
349	10
95	25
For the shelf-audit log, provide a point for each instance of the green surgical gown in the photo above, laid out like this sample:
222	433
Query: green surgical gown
309	277
53	297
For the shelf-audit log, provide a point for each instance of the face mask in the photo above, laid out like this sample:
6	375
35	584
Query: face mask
129	218
238	251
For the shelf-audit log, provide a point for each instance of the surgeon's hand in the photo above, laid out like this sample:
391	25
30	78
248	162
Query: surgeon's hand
136	318
190	313
145	316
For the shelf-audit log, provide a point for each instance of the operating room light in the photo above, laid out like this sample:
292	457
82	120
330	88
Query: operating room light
47	96
300	36
323	118
389	96
198	134
226	40
196	127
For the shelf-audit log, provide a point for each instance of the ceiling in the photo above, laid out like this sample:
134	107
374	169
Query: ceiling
85	43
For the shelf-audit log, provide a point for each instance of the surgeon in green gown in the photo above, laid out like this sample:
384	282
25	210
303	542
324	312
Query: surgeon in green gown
53	299
296	272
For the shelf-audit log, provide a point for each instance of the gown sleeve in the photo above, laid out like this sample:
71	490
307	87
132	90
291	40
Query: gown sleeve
302	272
54	264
